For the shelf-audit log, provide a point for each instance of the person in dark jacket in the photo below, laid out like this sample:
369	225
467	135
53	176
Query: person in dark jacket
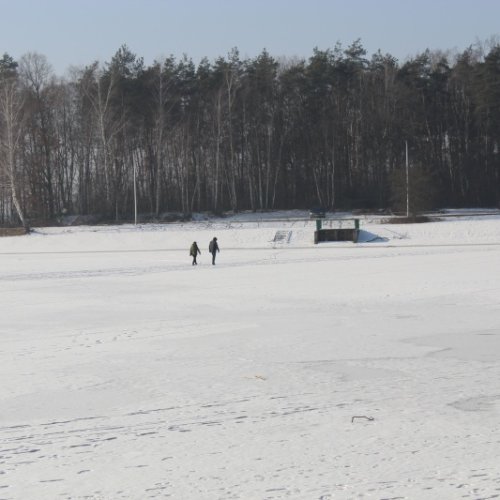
194	251
213	248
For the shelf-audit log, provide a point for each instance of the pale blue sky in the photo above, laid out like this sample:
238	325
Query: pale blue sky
77	32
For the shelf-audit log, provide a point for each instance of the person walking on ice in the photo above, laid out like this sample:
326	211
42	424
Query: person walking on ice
194	251
213	248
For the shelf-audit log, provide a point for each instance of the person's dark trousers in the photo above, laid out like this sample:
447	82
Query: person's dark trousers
194	261
213	259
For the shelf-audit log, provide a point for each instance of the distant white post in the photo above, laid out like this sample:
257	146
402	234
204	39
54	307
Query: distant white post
135	196
407	183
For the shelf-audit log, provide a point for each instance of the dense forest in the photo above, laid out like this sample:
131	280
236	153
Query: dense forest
248	134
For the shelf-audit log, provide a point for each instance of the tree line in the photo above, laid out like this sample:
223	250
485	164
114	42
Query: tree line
248	134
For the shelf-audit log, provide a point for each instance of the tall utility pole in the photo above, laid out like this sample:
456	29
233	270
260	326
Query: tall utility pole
135	195
407	183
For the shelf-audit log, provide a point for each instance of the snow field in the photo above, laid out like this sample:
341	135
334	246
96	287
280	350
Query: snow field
127	373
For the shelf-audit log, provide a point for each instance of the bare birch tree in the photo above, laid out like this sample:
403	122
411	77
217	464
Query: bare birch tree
11	129
98	87
36	75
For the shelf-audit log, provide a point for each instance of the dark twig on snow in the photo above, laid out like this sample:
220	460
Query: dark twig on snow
362	416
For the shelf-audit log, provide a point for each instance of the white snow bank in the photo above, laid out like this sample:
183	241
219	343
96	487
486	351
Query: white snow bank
247	234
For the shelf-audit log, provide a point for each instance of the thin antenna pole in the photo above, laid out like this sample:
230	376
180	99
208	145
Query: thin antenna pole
135	195
407	183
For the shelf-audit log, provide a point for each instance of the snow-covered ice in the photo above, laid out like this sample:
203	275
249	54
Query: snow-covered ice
127	373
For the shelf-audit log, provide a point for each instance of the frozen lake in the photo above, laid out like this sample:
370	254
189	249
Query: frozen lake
127	373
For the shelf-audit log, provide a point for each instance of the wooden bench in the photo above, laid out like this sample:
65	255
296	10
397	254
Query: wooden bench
343	234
